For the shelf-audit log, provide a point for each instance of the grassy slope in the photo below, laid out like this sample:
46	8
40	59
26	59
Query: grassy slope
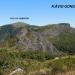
10	60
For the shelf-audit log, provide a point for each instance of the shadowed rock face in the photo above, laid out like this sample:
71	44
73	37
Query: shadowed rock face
23	36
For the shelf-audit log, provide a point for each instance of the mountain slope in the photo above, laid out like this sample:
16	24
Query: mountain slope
56	39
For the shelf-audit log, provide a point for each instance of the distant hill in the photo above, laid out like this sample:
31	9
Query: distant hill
56	39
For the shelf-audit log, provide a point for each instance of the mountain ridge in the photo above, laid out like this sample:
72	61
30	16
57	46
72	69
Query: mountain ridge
22	36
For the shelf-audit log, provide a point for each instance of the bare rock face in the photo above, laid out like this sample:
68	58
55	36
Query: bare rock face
28	37
36	42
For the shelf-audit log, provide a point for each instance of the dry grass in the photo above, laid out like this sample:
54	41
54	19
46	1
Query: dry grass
67	73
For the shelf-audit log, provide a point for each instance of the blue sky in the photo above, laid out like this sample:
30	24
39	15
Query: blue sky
39	11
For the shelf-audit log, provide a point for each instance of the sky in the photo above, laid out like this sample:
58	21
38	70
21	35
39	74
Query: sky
38	11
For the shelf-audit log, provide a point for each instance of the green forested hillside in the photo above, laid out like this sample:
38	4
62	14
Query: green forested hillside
64	42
